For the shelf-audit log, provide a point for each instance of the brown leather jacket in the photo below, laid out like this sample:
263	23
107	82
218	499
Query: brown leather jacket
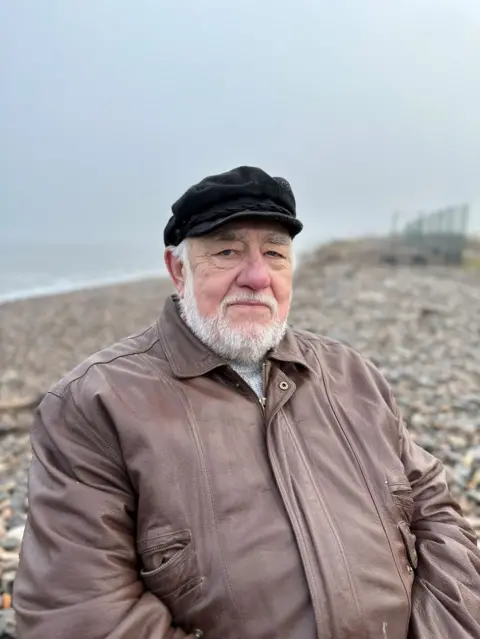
165	499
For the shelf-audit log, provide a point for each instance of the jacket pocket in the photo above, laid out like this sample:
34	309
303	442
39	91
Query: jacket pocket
170	568
401	496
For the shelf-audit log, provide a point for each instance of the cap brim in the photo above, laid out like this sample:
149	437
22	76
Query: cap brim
292	225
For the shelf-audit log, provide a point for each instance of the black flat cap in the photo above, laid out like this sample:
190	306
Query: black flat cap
244	192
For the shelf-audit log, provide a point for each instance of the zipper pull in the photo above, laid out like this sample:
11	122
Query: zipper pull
263	401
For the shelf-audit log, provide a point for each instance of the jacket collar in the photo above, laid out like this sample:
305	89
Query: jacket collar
189	357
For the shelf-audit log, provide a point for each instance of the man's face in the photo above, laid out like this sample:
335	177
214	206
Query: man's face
236	288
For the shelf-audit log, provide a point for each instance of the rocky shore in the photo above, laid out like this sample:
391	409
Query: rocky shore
421	327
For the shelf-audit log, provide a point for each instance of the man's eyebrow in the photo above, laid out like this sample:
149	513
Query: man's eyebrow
224	235
230	235
278	238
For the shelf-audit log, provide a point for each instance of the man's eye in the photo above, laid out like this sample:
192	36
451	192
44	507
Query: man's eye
226	252
274	254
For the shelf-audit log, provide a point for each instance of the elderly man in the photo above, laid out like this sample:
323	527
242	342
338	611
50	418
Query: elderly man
221	475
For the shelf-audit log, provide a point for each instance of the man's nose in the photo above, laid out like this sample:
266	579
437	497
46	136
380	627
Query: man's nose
254	274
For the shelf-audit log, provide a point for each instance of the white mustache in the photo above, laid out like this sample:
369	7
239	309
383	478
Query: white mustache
266	300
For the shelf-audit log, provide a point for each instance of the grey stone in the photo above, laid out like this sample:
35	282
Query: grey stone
7	624
8	560
15	521
474	495
7	580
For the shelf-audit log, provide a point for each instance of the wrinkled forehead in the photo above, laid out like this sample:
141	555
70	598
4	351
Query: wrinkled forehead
260	232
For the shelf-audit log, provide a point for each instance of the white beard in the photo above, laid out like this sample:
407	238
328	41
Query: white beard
248	343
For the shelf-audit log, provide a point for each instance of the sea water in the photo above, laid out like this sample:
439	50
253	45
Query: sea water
30	269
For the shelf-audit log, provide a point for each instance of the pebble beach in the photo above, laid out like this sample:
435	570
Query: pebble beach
420	326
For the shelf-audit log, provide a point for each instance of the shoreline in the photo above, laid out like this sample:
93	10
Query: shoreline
53	290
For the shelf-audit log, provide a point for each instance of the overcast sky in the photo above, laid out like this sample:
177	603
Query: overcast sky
110	109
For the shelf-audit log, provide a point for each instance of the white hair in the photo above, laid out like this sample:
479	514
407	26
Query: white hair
180	251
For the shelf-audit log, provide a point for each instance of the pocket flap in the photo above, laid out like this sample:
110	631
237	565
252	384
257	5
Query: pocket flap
401	493
409	541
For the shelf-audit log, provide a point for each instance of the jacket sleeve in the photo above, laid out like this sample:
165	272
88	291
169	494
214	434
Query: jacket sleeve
78	575
446	590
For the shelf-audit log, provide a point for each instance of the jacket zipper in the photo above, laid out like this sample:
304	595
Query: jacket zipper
176	547
164	546
263	399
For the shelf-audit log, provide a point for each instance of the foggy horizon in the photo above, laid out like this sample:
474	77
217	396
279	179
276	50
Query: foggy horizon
110	112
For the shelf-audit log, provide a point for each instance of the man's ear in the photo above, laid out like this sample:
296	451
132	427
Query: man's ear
176	270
